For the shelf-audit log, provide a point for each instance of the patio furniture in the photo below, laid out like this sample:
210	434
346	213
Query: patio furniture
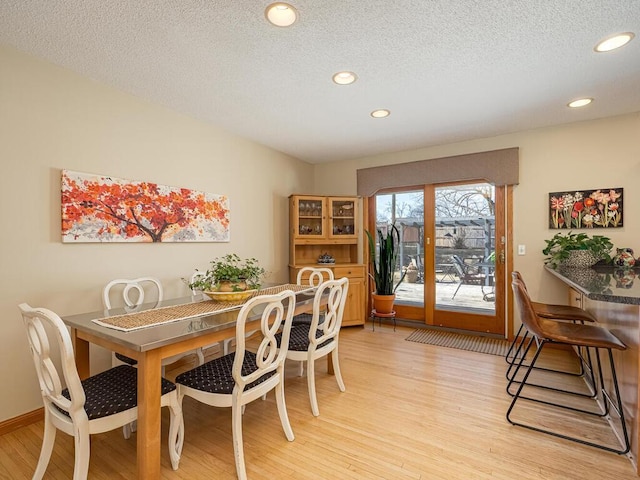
467	274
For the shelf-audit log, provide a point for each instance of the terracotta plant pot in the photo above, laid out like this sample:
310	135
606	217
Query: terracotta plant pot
383	303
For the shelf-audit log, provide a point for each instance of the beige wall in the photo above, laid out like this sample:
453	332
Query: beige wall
585	155
51	119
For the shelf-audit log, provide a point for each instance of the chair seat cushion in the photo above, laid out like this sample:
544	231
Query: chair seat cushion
113	391
125	359
305	319
215	376
299	339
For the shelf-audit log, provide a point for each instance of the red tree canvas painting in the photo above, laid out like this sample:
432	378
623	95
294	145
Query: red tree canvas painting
98	208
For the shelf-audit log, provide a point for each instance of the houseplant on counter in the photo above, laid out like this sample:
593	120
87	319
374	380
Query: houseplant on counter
229	274
383	266
577	250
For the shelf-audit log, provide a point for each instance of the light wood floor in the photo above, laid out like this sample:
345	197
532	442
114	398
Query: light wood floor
411	411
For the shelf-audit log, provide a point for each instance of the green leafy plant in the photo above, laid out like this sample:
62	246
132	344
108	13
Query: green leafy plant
383	262
241	273
559	246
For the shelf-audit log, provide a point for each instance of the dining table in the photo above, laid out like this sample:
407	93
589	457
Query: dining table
153	331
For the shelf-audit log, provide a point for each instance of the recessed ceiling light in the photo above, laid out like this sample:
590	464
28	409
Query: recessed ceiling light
344	78
381	113
281	14
615	41
582	102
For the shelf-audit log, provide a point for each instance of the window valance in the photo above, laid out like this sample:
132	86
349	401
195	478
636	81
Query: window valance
498	167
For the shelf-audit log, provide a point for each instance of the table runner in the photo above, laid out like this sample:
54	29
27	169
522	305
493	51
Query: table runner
157	316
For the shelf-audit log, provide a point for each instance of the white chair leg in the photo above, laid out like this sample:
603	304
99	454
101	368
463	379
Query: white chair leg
301	369
282	412
200	355
336	369
126	431
176	434
311	384
225	346
82	454
238	448
48	441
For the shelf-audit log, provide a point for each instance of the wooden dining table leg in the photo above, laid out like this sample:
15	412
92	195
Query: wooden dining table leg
148	447
81	349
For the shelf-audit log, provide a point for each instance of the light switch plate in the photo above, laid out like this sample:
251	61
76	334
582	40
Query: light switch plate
522	249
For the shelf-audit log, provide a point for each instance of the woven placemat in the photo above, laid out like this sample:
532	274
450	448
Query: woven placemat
157	316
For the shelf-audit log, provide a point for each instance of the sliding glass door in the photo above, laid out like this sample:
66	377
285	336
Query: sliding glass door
452	250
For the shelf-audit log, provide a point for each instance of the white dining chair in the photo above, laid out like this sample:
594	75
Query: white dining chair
132	293
98	404
236	379
307	343
312	276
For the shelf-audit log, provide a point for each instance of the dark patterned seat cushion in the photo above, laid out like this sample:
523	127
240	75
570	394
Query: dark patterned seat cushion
215	376
125	359
299	339
113	391
305	319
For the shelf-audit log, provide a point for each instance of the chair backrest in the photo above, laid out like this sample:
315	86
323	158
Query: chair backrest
528	316
457	260
515	275
276	314
459	269
133	290
317	275
332	313
48	336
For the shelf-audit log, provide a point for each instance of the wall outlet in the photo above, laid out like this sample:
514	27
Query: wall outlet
522	249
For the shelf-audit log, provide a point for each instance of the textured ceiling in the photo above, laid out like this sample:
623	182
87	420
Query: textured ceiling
448	70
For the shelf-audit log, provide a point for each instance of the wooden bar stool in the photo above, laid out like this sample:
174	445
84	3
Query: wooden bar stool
380	316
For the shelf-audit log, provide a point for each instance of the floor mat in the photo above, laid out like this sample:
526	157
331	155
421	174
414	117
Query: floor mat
461	341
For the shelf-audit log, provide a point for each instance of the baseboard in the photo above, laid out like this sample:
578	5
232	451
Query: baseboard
20	421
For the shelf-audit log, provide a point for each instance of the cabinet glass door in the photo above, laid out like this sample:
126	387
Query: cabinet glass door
311	217
342	217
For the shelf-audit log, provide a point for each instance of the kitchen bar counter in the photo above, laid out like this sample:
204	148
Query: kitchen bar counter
603	283
613	296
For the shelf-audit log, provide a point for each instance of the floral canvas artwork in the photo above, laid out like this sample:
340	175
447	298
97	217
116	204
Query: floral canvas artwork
600	208
97	208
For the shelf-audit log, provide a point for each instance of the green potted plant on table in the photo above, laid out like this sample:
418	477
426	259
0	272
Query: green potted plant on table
230	273
576	250
383	266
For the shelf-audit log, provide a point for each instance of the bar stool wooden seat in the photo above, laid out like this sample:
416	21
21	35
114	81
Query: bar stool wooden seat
547	332
375	314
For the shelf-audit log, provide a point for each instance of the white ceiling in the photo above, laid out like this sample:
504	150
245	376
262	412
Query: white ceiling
448	70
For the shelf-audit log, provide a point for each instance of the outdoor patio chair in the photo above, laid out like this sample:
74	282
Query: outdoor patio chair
467	274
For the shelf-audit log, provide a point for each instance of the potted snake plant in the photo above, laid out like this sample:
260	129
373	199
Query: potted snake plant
383	268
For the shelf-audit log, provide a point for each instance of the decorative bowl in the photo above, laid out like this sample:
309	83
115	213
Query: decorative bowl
230	296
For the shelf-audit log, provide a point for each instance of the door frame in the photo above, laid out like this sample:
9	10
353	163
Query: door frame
503	324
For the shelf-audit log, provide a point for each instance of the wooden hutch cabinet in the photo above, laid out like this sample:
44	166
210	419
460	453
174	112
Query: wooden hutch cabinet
328	225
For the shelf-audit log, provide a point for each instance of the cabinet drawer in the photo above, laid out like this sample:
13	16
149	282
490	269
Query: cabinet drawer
354	271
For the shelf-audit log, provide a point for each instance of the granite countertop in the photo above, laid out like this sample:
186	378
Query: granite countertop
603	282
